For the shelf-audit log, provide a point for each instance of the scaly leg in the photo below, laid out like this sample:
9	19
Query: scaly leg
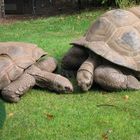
111	78
17	88
51	81
85	74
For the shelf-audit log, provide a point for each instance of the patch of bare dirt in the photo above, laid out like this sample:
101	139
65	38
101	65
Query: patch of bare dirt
56	10
9	19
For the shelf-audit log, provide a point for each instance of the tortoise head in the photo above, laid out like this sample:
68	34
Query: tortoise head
62	84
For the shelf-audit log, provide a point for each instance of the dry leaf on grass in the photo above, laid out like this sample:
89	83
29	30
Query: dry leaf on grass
49	116
10	114
126	97
105	136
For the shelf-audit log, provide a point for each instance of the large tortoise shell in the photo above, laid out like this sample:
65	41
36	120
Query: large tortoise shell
15	57
115	36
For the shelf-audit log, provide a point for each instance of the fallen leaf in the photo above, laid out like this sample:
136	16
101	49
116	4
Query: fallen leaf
62	18
126	97
10	114
105	136
49	116
78	17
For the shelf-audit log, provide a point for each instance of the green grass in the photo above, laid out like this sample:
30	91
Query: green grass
43	115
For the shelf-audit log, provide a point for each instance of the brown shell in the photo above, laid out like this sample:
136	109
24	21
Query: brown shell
15	57
116	37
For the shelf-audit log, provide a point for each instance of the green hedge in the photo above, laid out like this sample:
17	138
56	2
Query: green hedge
110	3
118	3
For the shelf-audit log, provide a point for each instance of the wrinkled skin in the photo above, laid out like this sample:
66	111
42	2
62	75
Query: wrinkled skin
39	74
97	70
85	75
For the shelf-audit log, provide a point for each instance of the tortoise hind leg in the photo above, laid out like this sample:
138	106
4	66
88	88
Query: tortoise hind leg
17	88
111	78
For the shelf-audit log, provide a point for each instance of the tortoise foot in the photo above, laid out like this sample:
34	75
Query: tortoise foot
16	89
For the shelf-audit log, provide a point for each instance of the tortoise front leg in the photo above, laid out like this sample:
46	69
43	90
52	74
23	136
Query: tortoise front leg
85	74
111	78
17	88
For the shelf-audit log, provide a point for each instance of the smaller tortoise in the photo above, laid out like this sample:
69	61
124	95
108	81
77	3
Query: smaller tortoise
109	53
23	65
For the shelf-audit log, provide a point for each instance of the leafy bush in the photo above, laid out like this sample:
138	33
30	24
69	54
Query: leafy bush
118	3
125	3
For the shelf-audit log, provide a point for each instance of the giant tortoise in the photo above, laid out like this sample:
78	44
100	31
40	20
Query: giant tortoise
109	53
23	65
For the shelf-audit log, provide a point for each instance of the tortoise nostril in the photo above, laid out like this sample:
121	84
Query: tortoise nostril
67	89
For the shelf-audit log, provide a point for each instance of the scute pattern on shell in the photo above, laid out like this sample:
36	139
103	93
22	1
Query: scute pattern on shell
115	36
15	57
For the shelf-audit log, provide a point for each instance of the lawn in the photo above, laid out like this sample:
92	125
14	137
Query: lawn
43	115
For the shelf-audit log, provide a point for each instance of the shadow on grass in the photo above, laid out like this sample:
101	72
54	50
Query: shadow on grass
2	113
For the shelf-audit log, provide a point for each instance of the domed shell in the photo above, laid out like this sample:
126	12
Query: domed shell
15	57
115	36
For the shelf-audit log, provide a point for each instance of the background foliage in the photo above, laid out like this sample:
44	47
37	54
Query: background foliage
114	3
